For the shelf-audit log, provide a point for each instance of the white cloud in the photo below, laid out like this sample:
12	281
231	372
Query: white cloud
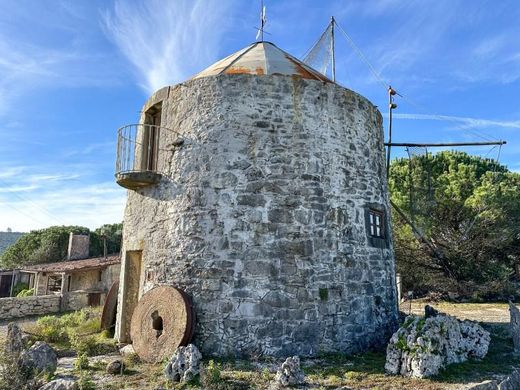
85	205
165	41
465	123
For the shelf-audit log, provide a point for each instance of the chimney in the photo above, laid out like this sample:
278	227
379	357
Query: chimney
78	246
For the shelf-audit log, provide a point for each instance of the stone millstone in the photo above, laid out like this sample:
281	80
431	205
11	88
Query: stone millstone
163	320
108	318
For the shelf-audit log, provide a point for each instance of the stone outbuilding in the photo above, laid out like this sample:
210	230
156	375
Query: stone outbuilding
258	187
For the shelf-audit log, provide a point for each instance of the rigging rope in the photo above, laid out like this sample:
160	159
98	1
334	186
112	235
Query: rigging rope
360	54
320	54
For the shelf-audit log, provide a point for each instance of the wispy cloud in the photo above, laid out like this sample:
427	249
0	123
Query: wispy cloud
165	41
465	123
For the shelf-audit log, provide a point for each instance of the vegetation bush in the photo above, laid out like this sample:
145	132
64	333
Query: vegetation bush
25	293
77	330
468	212
18	287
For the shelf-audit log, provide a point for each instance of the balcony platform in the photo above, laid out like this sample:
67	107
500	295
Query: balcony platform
134	180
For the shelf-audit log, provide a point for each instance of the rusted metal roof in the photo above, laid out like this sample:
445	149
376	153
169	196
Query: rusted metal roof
262	58
74	265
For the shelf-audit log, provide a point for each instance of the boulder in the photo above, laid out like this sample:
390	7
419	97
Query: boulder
512	382
115	367
127	350
14	343
67	383
290	373
39	357
422	346
514	326
184	364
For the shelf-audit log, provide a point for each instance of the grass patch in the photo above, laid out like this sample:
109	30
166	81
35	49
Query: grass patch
77	331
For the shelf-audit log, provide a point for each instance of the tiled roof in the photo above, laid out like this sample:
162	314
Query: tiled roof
75	265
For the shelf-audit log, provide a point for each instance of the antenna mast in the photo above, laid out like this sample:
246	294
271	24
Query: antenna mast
332	22
262	20
391	107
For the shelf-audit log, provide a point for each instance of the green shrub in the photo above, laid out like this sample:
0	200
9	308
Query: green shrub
78	330
211	376
18	287
82	362
85	382
25	293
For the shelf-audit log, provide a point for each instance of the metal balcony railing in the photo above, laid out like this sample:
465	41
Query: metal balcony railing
138	148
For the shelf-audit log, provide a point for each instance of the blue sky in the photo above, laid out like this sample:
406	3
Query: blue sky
72	72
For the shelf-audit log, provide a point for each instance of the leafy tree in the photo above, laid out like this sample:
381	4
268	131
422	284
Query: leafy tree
113	234
467	213
51	244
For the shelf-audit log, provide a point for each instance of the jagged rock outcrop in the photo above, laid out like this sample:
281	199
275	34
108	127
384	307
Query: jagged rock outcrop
14	342
67	383
39	357
514	326
184	364
422	346
290	373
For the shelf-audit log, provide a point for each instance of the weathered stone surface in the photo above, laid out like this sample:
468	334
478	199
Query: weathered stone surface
244	210
115	367
14	343
290	373
11	308
39	357
422	346
514	326
127	350
67	383
184	364
511	383
486	385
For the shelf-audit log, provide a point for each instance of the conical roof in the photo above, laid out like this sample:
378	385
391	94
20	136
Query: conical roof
262	58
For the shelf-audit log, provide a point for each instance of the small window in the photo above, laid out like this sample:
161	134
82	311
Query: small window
100	276
376	223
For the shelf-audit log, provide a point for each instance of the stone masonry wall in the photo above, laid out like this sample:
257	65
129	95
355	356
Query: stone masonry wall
261	216
29	306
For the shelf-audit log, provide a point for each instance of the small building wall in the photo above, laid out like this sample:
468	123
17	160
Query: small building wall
29	306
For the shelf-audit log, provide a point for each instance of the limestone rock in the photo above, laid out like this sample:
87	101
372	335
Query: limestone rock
14	342
116	367
486	385
184	364
511	383
515	326
290	373
422	346
127	350
39	357
67	383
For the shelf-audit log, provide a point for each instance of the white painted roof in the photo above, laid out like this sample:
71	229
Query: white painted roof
262	58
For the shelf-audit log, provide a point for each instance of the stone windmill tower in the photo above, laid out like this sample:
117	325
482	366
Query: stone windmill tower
258	189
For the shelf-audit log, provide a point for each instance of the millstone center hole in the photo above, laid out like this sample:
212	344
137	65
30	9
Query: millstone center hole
157	323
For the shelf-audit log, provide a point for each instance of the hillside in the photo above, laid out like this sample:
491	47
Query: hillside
7	239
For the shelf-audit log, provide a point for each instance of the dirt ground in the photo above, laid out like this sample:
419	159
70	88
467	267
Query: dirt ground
364	371
493	313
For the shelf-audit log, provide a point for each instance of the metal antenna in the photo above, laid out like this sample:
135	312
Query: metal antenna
391	107
262	20
332	22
